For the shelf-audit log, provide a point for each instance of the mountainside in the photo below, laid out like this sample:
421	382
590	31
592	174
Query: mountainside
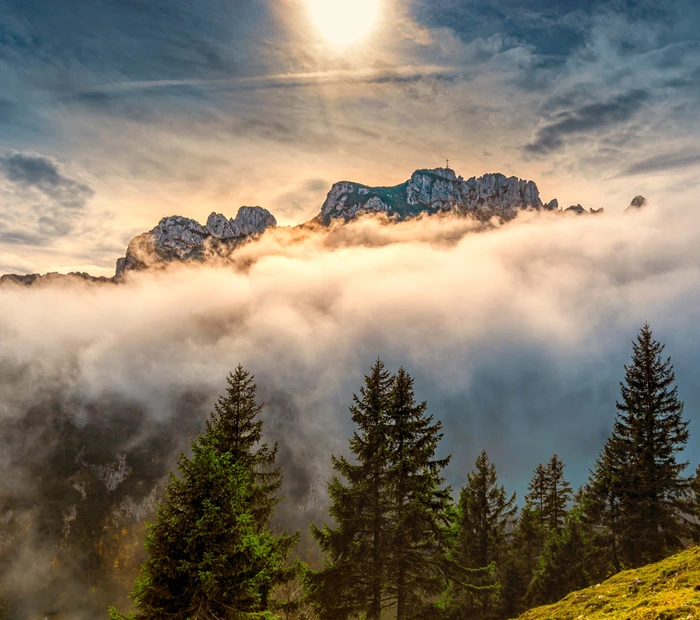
667	590
433	191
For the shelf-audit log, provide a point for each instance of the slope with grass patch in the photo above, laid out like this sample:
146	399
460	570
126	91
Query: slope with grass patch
667	590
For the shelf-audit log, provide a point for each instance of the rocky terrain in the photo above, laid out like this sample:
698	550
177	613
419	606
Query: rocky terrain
178	238
434	191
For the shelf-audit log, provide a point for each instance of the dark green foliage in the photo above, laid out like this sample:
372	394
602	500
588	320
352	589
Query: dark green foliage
353	578
536	496
391	510
210	552
549	494
419	502
558	494
642	495
568	561
485	516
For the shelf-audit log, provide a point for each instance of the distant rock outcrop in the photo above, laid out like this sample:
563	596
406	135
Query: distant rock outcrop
178	238
637	203
579	210
433	191
33	279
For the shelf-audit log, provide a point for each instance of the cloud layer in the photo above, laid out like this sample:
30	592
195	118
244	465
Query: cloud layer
517	338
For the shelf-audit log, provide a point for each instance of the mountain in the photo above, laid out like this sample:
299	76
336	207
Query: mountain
440	190
434	191
668	589
183	239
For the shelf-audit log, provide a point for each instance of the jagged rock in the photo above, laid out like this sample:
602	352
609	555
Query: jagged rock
33	279
637	203
178	238
432	191
219	226
552	205
577	209
252	221
179	235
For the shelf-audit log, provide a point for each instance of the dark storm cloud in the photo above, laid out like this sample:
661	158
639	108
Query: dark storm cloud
661	163
40	201
587	119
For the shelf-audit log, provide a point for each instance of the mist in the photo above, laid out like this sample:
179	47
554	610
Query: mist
516	335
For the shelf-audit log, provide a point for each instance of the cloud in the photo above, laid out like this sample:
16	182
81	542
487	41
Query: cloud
587	119
662	163
41	201
516	335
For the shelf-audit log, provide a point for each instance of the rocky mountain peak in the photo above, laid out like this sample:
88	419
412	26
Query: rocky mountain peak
181	238
435	190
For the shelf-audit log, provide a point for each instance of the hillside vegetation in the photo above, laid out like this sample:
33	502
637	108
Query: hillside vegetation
667	590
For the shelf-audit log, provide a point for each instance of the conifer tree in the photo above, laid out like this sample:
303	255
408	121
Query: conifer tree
640	468
549	493
558	494
353	579
602	501
536	497
210	552
486	513
523	557
568	561
419	502
234	427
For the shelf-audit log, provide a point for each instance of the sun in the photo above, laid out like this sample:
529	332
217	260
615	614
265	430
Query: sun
344	22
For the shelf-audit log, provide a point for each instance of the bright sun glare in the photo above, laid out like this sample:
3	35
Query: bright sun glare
343	22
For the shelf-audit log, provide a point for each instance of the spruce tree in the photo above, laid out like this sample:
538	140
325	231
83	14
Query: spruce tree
419	502
648	434
568	561
602	498
523	558
210	551
549	494
558	494
536	497
486	514
353	579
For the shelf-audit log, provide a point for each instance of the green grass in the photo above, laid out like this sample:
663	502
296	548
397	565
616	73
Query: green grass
669	590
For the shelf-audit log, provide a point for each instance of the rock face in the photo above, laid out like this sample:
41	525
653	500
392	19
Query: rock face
433	191
579	210
177	238
637	203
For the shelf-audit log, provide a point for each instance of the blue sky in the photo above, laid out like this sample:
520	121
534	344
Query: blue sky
145	109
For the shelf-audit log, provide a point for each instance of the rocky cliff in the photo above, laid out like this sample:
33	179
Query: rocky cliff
433	191
181	238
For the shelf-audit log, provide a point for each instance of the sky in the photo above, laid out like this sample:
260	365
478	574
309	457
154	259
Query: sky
115	113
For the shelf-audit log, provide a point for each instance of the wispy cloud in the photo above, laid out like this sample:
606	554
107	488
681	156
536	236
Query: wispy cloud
586	119
663	163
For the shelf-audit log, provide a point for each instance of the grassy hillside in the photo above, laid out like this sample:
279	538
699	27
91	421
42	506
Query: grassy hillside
668	590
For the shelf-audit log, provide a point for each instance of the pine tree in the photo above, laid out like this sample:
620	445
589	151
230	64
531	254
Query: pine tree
648	434
602	502
486	513
210	552
523	557
568	561
536	497
419	502
549	494
234	427
354	576
558	494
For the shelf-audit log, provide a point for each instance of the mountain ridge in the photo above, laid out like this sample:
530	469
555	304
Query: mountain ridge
427	192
